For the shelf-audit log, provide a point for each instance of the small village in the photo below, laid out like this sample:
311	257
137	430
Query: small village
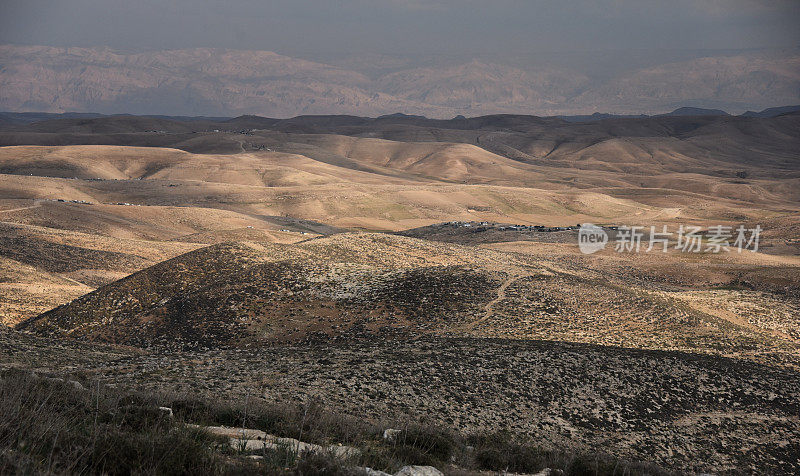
485	225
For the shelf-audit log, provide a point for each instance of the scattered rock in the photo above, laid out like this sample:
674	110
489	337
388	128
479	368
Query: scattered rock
246	439
418	471
390	434
372	472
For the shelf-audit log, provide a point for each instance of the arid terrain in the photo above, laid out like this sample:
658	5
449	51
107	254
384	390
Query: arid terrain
404	268
226	82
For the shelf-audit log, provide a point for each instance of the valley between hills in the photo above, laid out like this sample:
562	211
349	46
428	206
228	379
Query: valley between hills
409	269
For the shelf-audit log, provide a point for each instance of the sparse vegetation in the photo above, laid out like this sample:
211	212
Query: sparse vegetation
501	450
288	277
57	426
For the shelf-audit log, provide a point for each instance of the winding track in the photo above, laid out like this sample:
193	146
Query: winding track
36	204
489	308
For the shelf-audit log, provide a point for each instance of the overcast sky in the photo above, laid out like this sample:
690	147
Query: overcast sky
413	28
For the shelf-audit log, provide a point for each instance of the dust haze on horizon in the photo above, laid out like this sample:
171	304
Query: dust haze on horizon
592	51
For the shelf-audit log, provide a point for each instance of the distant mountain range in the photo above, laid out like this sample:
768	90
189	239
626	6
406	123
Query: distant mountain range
773	111
11	119
203	82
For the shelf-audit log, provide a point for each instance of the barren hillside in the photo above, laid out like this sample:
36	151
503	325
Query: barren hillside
169	185
204	81
420	270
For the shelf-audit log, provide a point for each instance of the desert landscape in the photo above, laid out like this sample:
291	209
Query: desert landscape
406	269
400	238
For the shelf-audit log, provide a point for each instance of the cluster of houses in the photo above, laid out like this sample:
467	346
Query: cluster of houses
62	200
247	132
484	225
84	202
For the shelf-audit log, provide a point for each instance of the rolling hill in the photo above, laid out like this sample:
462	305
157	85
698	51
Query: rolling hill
158	182
348	285
387	268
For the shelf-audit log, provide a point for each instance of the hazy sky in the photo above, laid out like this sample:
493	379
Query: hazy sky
411	28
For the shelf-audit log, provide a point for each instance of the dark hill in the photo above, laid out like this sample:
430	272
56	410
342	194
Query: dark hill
361	285
696	111
239	294
773	111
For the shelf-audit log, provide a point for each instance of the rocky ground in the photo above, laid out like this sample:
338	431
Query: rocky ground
682	411
249	294
300	260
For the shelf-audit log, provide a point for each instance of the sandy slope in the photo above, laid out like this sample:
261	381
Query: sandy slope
165	193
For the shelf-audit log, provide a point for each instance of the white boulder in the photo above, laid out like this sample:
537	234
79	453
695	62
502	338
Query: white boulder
418	471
